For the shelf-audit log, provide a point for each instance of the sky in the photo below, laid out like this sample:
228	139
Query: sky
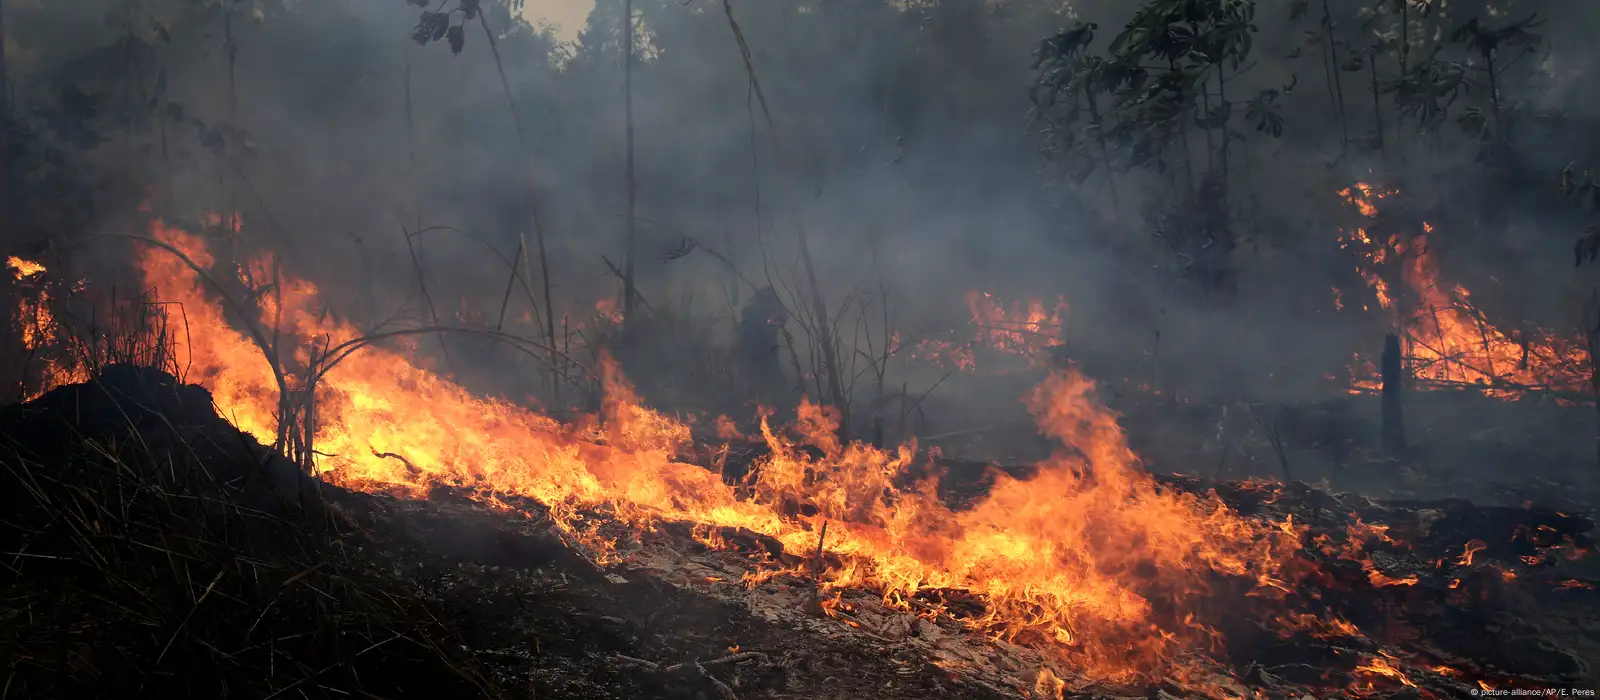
568	15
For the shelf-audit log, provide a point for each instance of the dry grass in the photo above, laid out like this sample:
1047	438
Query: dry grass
149	556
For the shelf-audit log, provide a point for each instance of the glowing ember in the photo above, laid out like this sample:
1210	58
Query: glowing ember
1090	557
1447	340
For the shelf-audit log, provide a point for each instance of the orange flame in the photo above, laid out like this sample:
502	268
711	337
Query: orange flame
1022	329
1089	558
1448	340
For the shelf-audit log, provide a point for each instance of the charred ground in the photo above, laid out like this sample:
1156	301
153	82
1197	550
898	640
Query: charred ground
155	551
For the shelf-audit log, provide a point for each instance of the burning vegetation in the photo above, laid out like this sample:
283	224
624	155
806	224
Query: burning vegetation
1092	569
1023	329
1448	342
301	459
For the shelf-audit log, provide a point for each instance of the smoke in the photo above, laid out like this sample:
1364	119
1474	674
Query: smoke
908	159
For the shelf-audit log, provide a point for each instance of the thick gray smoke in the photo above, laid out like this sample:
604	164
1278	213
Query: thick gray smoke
904	150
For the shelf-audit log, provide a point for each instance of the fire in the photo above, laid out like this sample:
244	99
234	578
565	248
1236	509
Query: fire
1447	340
1023	329
1382	666
39	330
33	315
1090	558
1471	551
23	269
1048	686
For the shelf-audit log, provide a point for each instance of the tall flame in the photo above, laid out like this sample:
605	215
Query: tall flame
1089	557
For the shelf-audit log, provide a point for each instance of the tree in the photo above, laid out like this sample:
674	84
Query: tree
1165	75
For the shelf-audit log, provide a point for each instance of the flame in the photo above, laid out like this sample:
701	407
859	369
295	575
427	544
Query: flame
39	330
1048	686
1448	340
1471	551
23	269
1023	329
1382	666
33	316
1089	558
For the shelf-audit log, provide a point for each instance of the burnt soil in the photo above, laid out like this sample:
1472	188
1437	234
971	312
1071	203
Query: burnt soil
149	549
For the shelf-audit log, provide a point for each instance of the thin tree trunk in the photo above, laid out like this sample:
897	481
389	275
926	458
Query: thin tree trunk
1594	381
1338	83
1494	100
1377	110
6	194
533	212
1405	54
629	284
1205	114
1188	158
1105	153
1227	139
1394	432
231	50
411	145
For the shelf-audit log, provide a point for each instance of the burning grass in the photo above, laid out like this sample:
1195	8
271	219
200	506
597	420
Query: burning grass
1106	573
1090	556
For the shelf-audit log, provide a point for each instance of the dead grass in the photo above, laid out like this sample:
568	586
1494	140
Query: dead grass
141	562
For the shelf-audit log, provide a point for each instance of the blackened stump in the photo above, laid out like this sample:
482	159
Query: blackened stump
1394	430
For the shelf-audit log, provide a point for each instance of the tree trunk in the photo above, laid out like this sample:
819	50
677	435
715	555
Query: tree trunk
1594	384
1333	75
1377	109
1105	153
13	371
629	288
1394	431
6	166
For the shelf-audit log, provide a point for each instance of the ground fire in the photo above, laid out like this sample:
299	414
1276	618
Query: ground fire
1116	576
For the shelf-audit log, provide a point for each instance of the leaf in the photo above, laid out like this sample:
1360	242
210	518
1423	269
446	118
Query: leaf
457	38
432	26
1298	8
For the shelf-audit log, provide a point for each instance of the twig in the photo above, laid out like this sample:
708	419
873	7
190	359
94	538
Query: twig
192	609
816	571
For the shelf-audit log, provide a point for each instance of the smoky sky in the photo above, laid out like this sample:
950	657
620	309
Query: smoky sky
903	148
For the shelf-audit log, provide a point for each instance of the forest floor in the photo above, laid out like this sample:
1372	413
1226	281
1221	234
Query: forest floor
156	551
